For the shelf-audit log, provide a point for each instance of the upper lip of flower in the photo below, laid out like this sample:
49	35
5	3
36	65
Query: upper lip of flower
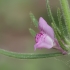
45	27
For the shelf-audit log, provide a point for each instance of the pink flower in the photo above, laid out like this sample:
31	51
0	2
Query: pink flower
45	38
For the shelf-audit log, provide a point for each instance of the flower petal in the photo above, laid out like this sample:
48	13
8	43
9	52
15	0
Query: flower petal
44	42
45	27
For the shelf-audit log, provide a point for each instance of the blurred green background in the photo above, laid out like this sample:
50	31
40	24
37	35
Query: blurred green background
14	35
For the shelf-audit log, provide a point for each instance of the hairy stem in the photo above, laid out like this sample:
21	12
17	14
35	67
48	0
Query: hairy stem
28	55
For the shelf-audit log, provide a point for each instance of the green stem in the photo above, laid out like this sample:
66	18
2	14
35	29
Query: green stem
28	55
66	13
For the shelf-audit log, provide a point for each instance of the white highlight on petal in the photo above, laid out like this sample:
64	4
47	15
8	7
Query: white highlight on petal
44	42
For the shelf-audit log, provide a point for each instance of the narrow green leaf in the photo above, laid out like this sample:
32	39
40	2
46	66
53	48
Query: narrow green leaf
50	15
49	11
58	38
35	22
60	22
66	13
33	33
61	26
28	55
